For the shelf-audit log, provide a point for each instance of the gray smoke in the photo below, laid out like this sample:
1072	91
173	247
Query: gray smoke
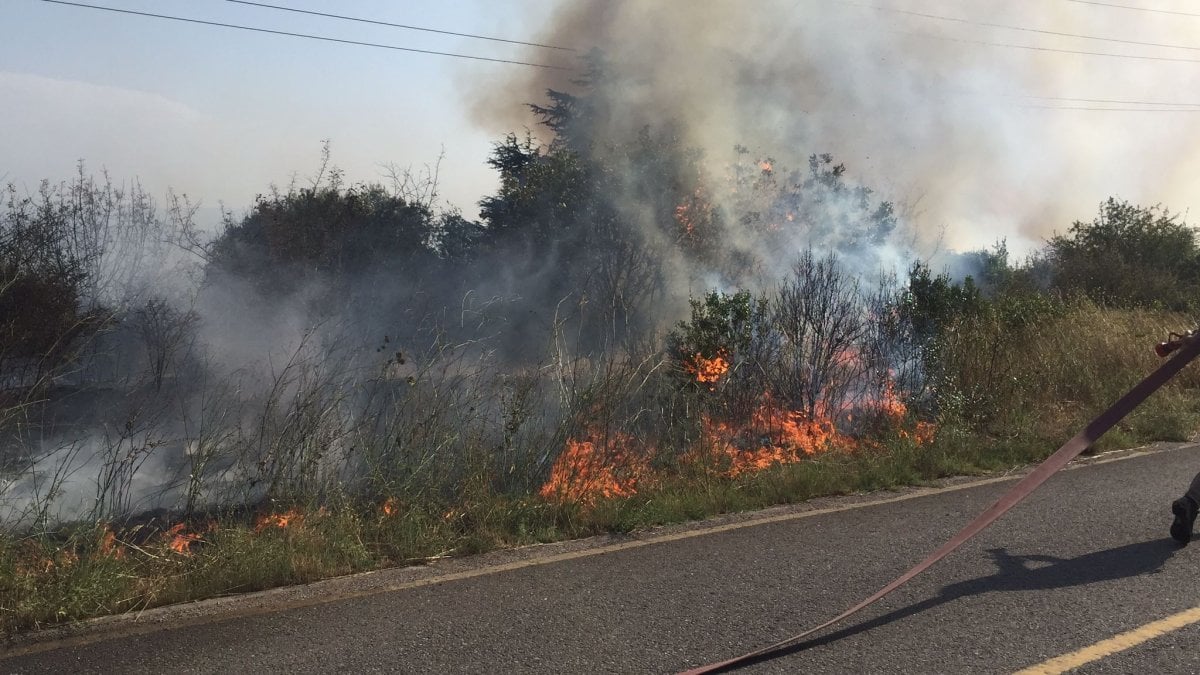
973	138
260	389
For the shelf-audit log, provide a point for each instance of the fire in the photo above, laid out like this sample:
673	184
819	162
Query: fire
615	465
390	506
693	212
766	165
597	468
683	215
290	518
891	408
922	433
70	557
774	435
109	546
847	357
180	541
708	371
889	404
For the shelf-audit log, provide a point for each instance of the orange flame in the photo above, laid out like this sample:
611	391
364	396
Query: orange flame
292	518
894	411
693	211
69	557
847	357
708	371
109	546
889	404
774	435
390	506
180	541
766	166
591	469
922	433
683	215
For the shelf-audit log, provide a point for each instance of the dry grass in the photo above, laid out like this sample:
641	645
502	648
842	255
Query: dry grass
1011	392
1036	377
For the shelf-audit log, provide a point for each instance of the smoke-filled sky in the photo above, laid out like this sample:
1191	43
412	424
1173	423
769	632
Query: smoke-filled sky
981	130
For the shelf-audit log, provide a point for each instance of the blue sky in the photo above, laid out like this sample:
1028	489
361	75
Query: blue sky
220	114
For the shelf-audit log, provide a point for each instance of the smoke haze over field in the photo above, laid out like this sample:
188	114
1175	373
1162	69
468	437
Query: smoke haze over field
977	140
342	332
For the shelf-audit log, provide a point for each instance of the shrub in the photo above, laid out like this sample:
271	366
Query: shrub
1129	256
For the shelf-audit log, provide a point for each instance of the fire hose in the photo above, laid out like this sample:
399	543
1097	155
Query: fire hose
1188	347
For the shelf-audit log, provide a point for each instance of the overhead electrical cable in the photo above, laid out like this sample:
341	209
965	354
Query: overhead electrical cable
1080	52
1023	29
1072	99
1134	8
399	25
1009	45
1112	101
1142	110
311	37
1108	103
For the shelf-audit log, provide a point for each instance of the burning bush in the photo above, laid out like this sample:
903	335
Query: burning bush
598	465
462	379
766	381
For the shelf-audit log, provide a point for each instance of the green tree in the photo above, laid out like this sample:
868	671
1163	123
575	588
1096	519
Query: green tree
333	233
1129	255
933	303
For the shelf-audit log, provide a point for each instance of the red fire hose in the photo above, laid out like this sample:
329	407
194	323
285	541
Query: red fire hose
1188	346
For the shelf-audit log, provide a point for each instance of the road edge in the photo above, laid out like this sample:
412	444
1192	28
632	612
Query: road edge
396	579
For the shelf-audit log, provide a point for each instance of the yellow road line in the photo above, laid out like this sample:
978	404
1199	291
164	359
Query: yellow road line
1117	643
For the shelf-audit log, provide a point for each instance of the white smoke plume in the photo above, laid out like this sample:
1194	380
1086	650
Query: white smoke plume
975	141
979	132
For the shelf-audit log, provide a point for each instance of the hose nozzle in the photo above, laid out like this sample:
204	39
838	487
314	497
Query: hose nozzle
1174	341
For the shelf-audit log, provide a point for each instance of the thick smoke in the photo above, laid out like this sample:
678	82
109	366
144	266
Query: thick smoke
222	392
976	140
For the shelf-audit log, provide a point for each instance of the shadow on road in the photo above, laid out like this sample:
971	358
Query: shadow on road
1017	573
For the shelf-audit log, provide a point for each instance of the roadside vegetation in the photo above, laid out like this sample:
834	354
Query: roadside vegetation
349	377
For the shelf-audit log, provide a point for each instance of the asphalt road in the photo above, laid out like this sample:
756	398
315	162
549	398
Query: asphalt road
1085	558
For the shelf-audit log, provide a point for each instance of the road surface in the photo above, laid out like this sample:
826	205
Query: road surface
1084	559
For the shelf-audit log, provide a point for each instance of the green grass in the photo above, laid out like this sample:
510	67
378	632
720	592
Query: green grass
1040	384
64	576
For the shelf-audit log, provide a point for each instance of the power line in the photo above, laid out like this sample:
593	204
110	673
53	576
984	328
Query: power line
399	25
1108	103
1078	52
1009	45
1073	99
310	37
1150	106
1024	29
1112	101
1136	9
1142	110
